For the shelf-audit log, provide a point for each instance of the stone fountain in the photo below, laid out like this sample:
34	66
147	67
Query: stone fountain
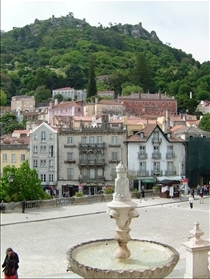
122	257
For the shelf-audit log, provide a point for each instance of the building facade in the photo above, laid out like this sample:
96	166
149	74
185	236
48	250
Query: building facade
44	155
88	157
155	156
149	104
68	92
23	103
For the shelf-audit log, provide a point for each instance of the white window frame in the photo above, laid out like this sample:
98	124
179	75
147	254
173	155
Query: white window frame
4	158
13	158
22	157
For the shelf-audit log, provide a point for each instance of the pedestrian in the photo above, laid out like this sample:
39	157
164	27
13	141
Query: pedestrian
142	192
191	200
201	195
2	206
192	192
23	205
10	264
198	189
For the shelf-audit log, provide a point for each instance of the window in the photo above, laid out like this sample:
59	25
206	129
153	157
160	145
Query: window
99	139
156	167
50	177
35	137
114	140
84	172
35	149
170	166
142	166
22	157
43	136
69	173
92	173
43	163
70	156
100	172
142	149
13	158
35	163
43	149
43	177
69	140
114	156
4	158
156	135
91	139
51	163
156	149
51	151
83	157
84	139
51	136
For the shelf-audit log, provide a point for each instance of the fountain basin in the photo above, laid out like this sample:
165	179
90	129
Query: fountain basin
149	259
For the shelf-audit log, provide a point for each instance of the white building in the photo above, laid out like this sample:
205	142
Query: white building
154	156
68	92
43	155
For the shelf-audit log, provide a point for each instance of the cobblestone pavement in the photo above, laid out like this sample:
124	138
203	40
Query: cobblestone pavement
42	237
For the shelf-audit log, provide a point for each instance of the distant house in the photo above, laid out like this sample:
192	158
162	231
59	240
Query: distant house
23	103
68	92
65	109
150	104
204	107
106	93
103	107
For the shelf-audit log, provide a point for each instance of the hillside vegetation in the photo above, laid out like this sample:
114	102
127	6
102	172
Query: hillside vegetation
57	52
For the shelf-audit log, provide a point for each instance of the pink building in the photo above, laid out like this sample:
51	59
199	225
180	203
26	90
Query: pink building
65	109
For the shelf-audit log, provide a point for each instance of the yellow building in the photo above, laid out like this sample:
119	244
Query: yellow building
14	151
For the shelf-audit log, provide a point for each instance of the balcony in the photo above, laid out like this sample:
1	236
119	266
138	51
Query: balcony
157	140
68	161
143	173
156	173
170	155
70	177
94	162
114	145
142	155
69	145
156	155
88	146
114	161
170	172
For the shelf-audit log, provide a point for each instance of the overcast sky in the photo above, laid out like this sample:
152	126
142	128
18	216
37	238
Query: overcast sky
183	24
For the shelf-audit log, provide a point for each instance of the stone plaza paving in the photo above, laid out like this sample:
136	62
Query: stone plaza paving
42	237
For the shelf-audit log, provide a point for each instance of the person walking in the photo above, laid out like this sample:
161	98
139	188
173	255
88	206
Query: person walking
192	192
10	264
191	200
2	206
201	195
23	205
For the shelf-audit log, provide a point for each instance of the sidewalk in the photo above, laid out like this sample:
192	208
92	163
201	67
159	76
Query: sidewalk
66	212
43	214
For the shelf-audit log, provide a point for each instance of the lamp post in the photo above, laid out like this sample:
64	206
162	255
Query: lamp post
10	180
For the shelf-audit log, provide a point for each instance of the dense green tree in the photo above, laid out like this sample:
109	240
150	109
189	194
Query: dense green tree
42	94
25	184
205	122
127	90
141	74
75	77
9	122
3	97
91	87
59	97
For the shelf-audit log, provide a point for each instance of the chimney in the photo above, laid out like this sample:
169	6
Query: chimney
167	120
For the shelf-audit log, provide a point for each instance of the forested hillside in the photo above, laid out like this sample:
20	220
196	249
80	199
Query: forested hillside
57	52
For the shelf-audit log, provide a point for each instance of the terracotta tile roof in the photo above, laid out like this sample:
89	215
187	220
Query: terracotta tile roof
66	105
176	127
147	132
14	140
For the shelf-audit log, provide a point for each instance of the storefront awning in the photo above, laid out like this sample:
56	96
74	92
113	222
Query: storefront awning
148	180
